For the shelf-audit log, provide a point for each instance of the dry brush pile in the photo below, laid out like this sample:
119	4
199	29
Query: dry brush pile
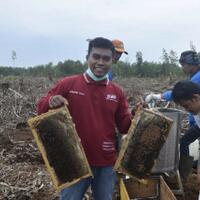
23	174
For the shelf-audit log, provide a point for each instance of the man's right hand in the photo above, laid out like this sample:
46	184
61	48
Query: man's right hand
57	101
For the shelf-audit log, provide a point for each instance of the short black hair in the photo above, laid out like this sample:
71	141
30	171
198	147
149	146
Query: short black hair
189	57
185	90
100	42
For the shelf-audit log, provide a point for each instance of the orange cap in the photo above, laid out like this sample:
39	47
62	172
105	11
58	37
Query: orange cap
119	46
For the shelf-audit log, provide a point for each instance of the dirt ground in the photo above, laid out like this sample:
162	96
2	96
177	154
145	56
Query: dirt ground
23	175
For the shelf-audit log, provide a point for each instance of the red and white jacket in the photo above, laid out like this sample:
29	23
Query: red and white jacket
96	109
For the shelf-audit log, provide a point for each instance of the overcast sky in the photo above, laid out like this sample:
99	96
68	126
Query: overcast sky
43	31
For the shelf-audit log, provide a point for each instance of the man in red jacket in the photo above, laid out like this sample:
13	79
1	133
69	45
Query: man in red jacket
97	106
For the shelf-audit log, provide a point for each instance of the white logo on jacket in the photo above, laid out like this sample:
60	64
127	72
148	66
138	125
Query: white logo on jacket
111	97
108	146
76	92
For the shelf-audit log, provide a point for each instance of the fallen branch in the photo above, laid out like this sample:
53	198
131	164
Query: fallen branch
14	188
17	93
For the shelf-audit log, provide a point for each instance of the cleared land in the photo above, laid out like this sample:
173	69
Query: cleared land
23	173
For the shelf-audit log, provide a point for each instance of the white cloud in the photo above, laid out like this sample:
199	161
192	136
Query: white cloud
33	25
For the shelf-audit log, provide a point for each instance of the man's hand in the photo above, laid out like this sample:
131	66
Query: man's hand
153	96
57	101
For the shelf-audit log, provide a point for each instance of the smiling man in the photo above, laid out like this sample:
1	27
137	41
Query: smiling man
97	106
99	61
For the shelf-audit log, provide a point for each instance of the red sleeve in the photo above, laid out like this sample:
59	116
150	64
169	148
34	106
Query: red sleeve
123	116
58	89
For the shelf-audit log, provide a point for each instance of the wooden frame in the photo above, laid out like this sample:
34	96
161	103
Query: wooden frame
141	146
55	156
155	188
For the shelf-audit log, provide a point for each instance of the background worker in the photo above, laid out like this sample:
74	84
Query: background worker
187	94
189	61
97	106
119	50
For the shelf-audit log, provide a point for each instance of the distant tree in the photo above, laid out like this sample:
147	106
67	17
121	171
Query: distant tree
13	56
58	69
139	61
165	63
49	71
165	56
173	57
139	58
192	46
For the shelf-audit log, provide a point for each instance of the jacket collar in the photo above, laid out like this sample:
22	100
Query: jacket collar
89	80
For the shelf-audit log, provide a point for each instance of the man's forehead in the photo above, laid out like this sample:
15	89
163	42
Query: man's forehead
101	51
185	102
185	65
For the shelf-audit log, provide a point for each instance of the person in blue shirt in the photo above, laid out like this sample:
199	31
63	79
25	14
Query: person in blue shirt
189	61
119	50
187	95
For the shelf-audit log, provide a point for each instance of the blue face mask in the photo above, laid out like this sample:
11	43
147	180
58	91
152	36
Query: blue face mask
95	78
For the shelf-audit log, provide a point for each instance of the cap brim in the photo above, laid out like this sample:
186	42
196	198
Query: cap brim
121	50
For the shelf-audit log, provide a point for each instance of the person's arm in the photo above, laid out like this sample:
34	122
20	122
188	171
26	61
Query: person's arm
123	116
153	96
167	96
196	78
54	98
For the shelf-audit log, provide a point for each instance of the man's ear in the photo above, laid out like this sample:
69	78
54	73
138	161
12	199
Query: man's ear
87	57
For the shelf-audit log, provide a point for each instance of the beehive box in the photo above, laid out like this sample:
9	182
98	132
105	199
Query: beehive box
155	188
140	148
60	146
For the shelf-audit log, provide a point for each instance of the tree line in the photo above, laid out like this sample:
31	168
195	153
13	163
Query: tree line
168	67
